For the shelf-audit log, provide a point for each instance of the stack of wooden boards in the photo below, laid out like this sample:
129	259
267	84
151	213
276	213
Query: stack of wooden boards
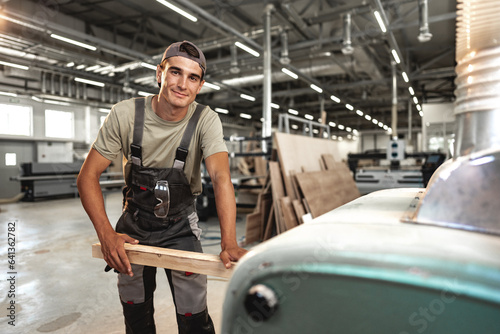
307	179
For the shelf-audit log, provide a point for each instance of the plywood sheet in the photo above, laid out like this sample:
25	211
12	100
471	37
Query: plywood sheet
288	213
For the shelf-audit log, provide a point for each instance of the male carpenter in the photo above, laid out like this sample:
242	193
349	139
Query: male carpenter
164	139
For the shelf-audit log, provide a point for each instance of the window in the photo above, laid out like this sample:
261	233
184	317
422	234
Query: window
59	124
10	159
16	120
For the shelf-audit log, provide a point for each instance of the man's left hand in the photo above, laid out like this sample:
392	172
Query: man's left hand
231	254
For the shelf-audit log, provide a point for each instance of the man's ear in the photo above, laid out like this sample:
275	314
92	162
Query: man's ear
159	84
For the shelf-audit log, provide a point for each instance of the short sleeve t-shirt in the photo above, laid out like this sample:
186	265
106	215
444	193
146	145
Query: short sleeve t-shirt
160	139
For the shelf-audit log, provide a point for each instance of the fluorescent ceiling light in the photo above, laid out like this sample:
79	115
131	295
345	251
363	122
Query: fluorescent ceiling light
70	64
380	124
178	10
341	127
334	137
290	73
90	82
37	99
419	108
335	99
147	65
359	112
142	93
295	126
368	117
80	67
57	102
374	121
309	117
315	131
22	67
405	77
27	25
105	110
410	89
348	129
380	22
247	116
348	106
386	127
275	106
93	68
396	56
293	111
316	88
332	124
262	120
222	111
415	100
211	85
421	114
247	49
8	94
72	41
247	97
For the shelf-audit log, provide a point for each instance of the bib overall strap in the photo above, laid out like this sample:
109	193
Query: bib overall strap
136	146
182	150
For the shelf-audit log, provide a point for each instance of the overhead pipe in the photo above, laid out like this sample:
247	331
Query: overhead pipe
423	16
347	48
284	48
267	84
234	69
394	113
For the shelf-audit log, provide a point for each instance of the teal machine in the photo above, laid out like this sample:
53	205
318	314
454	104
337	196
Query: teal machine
400	261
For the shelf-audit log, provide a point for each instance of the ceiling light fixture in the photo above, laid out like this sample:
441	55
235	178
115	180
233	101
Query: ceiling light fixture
289	73
335	99
410	89
316	88
380	21
72	41
309	117
147	65
275	106
178	10
341	127
405	77
22	67
348	106
396	56
90	82
415	100
293	112
8	94
211	85
247	49
142	93
27	25
222	111
368	117
247	116
359	112
332	124
247	97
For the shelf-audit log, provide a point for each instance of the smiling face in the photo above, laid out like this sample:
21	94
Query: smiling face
180	80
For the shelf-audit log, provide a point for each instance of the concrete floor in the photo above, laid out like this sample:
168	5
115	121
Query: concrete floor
60	288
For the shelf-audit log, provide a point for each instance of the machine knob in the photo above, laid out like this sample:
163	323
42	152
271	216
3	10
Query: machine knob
261	302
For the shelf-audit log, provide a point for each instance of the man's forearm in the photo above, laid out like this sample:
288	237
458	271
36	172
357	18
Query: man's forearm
226	211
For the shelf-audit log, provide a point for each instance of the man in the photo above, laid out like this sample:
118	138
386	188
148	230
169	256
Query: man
164	139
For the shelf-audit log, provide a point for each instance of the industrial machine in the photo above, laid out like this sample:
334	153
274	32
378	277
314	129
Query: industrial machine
408	260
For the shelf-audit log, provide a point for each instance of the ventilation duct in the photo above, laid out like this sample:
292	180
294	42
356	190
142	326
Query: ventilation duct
347	48
284	48
463	192
423	14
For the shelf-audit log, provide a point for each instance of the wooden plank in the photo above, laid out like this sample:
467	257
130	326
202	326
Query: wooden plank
288	213
278	192
265	210
299	210
207	264
326	190
253	227
268	232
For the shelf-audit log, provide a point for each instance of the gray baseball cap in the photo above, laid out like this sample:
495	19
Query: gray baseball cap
175	50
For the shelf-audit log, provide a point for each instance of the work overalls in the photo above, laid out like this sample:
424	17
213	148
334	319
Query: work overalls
179	230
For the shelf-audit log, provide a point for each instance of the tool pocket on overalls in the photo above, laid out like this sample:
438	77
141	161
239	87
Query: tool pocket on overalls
193	224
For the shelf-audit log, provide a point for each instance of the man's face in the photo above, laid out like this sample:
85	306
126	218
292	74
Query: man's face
180	81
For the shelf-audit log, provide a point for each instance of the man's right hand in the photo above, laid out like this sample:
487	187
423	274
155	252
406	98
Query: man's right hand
114	252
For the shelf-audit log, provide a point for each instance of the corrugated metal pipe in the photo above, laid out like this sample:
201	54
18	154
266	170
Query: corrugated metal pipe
423	14
347	48
464	191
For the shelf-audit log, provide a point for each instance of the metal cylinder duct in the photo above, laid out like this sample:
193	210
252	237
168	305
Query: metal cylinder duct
347	48
423	14
284	48
463	192
394	110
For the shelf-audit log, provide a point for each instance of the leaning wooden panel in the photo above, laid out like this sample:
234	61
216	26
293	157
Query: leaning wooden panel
207	264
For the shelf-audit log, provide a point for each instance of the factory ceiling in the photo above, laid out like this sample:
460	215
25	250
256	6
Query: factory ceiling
337	46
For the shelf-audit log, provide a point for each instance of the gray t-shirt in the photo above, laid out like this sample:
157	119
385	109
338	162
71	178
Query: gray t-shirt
160	139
